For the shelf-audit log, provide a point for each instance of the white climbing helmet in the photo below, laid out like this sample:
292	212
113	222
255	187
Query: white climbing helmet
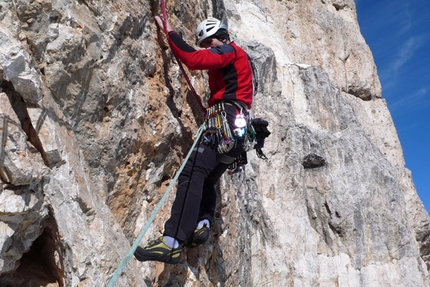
208	28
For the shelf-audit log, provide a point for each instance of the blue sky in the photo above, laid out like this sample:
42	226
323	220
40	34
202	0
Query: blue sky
398	33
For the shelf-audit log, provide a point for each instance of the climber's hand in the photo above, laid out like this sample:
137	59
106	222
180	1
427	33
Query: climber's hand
160	22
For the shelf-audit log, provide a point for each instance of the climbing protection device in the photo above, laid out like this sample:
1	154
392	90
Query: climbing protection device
219	133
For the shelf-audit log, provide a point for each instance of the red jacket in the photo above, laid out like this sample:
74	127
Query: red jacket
230	74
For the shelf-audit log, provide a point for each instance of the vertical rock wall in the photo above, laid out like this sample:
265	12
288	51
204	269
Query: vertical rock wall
95	118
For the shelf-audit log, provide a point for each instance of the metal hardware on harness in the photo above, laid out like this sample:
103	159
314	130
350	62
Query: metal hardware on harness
218	130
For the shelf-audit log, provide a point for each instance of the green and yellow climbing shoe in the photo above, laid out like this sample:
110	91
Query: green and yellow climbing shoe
157	250
198	237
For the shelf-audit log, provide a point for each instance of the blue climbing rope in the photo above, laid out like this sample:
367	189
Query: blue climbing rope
127	258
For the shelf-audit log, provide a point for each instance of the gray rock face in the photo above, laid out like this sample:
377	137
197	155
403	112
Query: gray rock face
95	118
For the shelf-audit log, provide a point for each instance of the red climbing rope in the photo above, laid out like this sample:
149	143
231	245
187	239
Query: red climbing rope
193	91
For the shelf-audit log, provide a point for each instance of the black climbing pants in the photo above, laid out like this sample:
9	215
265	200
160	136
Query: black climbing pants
196	195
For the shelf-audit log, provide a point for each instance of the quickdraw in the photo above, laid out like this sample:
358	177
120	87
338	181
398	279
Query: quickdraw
218	130
220	134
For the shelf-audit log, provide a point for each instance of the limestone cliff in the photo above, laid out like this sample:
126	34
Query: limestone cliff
96	117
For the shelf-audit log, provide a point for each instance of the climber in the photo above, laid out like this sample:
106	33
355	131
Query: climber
231	90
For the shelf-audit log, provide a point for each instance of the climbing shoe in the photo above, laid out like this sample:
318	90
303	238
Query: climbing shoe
157	250
198	237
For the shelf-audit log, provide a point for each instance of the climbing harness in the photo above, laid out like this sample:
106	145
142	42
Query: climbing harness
154	213
219	133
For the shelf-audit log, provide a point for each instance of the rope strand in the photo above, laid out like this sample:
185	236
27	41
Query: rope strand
128	256
154	213
190	85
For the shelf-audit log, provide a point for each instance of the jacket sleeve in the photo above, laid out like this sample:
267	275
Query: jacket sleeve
205	59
